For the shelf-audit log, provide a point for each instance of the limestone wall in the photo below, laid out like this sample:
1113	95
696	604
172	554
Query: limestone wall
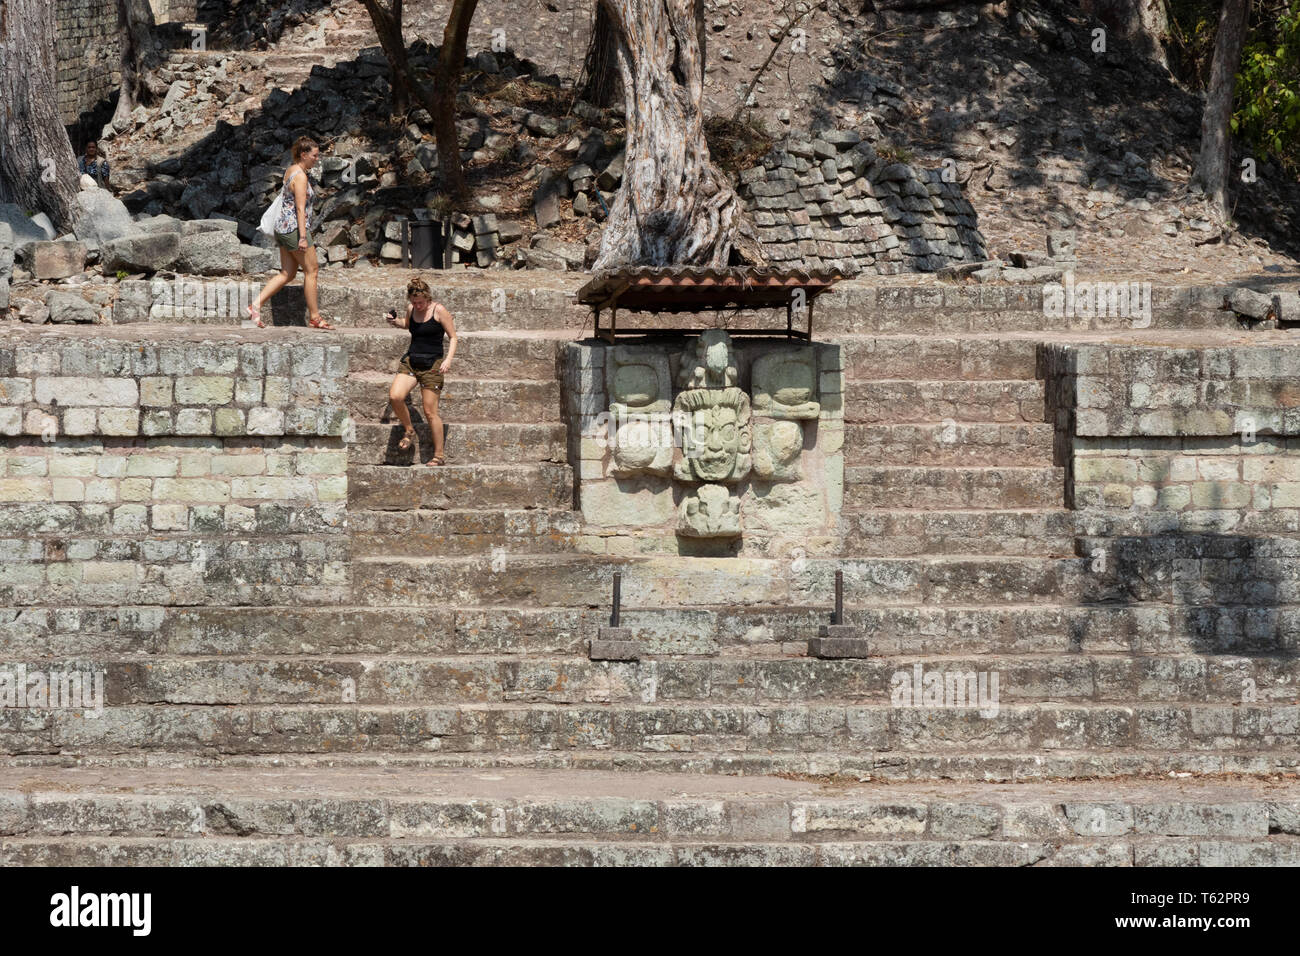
187	472
86	54
174	11
1192	439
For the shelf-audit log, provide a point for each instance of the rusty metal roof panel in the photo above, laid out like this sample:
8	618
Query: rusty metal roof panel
732	283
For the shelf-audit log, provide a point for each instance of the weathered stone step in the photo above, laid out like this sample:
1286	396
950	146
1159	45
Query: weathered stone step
209	568
463	531
1199	729
978	767
927	358
902	401
412	816
950	443
462	400
35	633
581	817
476	443
955	487
890	532
531	355
681	582
401	488
851	309
480	307
972	681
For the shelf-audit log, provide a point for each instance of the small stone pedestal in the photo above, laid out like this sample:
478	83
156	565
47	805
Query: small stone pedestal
836	641
614	644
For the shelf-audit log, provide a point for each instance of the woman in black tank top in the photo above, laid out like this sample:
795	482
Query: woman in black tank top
424	363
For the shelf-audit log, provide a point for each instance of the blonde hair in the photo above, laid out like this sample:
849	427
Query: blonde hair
418	286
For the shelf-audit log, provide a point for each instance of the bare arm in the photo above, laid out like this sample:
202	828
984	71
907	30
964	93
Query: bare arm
300	201
404	321
449	324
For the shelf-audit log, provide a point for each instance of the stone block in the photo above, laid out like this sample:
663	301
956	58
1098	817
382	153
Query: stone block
265	421
204	390
79	421
80	391
155	391
614	644
194	421
837	641
229	421
636	502
119	421
145	253
54	260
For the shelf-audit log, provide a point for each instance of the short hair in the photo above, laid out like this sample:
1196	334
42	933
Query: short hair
90	143
303	144
418	286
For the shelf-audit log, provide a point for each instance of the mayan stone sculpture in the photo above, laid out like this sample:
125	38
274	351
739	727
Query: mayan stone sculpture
785	384
640	388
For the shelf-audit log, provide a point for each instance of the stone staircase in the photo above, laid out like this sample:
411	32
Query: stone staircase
338	816
459	638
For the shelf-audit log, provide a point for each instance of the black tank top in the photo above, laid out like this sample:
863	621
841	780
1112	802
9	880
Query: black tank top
426	340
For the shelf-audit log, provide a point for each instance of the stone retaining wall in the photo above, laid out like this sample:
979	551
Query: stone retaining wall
171	473
86	54
1201	439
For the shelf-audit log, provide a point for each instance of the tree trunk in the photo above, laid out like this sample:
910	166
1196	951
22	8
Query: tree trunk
135	25
1142	23
439	101
674	207
38	170
701	35
601	64
1216	154
388	27
451	62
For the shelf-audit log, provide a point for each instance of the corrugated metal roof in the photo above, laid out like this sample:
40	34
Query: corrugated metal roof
726	283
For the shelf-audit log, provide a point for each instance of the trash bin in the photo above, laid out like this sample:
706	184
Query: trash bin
426	246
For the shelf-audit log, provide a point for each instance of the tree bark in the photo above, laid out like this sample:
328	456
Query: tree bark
388	27
451	63
1216	154
1142	23
601	64
439	101
38	170
674	207
135	25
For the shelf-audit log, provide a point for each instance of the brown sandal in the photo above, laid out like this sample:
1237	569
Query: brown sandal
435	462
320	324
407	440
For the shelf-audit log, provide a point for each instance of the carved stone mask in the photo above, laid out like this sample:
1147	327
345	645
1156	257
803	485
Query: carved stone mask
716	443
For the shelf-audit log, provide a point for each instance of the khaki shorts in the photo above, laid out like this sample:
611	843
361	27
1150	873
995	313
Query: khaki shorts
431	378
289	240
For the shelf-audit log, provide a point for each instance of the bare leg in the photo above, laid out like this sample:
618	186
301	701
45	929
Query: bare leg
430	401
288	269
309	269
397	392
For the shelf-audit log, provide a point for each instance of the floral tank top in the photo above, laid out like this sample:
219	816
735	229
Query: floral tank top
288	220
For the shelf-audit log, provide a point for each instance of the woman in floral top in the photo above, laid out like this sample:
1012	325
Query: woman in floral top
293	236
94	165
